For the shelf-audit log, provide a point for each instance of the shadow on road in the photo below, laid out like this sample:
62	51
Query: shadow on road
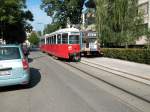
35	77
92	56
34	80
34	58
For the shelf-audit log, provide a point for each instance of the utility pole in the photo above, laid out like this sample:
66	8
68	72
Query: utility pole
148	13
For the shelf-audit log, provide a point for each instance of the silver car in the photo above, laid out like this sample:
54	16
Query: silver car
14	67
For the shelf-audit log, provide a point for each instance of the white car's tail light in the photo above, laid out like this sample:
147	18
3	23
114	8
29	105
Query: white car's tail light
25	64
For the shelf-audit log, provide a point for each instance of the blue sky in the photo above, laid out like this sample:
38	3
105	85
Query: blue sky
40	17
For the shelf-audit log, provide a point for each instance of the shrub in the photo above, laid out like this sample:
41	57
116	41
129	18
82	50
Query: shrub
135	55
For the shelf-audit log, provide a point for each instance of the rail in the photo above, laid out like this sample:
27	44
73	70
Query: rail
131	76
113	85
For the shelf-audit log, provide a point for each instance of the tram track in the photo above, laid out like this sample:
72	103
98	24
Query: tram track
109	83
131	76
105	81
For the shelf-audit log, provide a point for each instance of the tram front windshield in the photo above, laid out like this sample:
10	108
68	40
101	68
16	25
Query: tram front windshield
74	39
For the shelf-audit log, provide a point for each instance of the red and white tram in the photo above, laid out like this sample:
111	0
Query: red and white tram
64	43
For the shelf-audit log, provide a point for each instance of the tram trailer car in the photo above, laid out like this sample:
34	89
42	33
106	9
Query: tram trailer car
89	44
64	43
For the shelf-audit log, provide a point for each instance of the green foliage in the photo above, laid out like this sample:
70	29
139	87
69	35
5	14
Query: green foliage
51	28
148	38
13	19
135	55
63	10
34	39
118	22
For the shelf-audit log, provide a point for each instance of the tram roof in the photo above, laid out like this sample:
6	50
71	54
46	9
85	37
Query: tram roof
65	30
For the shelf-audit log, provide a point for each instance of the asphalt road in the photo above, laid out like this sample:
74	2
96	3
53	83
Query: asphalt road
55	87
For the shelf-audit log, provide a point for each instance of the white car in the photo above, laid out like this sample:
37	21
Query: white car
14	67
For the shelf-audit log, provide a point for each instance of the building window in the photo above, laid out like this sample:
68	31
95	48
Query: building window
144	8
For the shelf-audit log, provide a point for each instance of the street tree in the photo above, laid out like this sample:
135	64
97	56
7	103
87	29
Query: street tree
63	11
13	20
34	38
119	23
51	28
148	38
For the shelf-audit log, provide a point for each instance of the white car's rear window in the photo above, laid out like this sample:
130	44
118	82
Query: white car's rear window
8	53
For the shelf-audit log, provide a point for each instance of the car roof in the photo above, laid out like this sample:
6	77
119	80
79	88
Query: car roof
10	45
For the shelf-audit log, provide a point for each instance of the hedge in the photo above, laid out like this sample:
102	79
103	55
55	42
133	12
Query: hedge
130	54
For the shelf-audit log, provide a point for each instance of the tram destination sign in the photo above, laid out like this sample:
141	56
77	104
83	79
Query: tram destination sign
91	34
74	33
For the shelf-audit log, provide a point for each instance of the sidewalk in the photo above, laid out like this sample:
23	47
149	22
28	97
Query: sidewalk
133	78
141	70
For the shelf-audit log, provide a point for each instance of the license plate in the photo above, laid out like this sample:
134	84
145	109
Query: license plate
4	73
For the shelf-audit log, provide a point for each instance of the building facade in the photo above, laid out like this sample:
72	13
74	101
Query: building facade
88	19
144	7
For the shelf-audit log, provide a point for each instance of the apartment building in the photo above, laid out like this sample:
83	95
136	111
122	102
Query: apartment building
88	19
144	6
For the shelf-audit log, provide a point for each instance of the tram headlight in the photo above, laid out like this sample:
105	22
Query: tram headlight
69	47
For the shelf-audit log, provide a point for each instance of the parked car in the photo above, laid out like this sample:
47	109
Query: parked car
14	67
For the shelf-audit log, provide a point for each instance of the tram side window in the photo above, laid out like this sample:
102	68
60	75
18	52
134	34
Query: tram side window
59	39
50	40
74	39
54	39
47	40
65	38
